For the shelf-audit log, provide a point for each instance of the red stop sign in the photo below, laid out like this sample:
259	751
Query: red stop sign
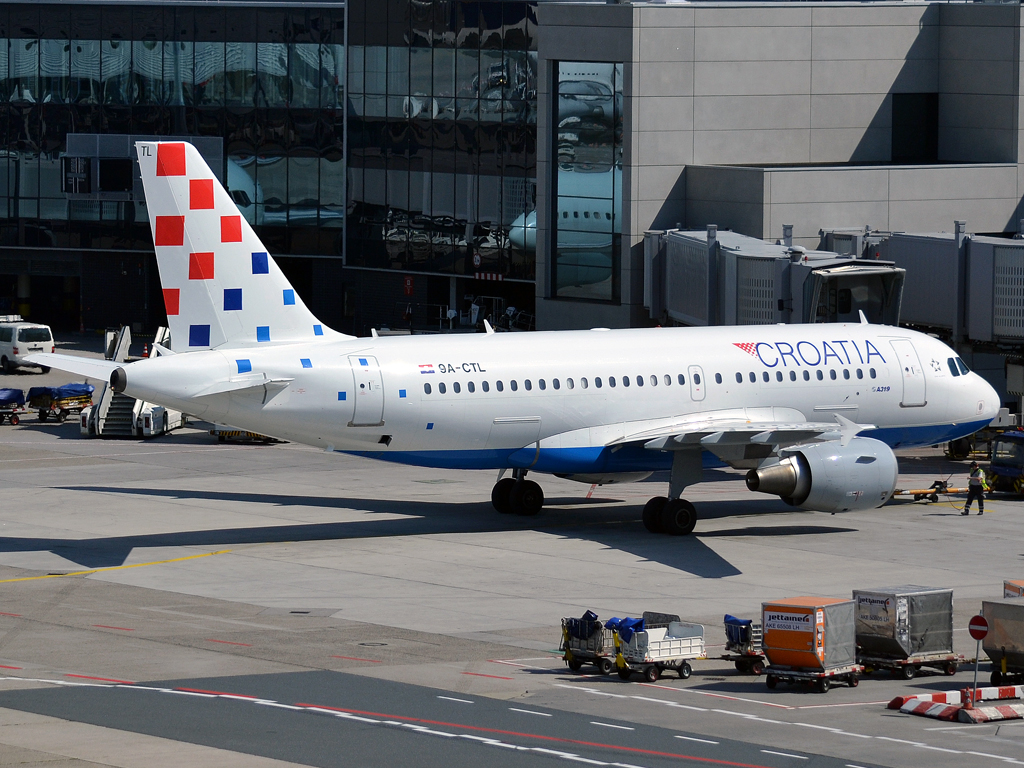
978	627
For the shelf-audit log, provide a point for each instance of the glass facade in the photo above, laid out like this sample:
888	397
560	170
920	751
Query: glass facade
268	81
442	136
587	181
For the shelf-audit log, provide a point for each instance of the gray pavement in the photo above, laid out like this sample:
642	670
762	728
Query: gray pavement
205	560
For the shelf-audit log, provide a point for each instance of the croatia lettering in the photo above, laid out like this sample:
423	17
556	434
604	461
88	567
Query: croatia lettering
783	354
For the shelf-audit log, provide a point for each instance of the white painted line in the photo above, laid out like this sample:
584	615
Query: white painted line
669	703
461	701
940	749
783	754
609	725
957	727
851	704
718	695
530	712
900	741
691	738
851	765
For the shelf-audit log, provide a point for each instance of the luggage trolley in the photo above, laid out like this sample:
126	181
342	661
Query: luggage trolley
60	402
587	640
655	643
821	678
12	403
743	639
907	668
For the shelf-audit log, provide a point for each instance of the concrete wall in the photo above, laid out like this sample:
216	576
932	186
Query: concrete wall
979	49
924	198
786	84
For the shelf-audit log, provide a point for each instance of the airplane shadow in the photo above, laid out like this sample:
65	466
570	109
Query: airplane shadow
616	527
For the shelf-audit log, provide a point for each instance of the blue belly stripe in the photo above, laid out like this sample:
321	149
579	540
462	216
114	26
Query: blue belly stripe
628	458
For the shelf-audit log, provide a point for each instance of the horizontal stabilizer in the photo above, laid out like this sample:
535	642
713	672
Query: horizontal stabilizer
83	366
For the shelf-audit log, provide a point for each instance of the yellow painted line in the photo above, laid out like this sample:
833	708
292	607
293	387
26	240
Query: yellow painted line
115	567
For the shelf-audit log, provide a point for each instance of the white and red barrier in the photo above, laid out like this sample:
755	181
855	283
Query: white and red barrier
949	705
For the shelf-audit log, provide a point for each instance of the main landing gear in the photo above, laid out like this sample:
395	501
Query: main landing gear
671	514
676	517
516	495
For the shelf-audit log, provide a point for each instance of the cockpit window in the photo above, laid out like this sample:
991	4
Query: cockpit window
952	367
963	368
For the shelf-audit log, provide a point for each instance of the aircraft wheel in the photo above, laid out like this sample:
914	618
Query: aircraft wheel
678	518
500	495
652	513
526	498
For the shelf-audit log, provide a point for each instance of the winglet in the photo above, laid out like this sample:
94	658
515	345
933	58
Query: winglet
487	328
847	429
863	318
374	334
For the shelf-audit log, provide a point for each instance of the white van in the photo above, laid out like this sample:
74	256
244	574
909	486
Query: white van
18	339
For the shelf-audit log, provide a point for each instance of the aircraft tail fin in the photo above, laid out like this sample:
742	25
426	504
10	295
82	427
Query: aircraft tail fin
220	285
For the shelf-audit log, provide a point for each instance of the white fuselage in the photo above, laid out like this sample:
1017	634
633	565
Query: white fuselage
544	401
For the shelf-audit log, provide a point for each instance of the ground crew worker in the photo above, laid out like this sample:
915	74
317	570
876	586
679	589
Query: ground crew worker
976	487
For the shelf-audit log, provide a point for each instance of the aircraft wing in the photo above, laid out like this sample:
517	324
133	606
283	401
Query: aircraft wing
739	441
92	367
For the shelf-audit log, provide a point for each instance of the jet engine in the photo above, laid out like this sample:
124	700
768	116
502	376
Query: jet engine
830	477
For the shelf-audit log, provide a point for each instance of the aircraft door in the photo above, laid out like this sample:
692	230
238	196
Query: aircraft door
368	392
697	383
911	372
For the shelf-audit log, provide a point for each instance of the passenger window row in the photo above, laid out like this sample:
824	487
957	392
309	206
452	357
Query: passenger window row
653	379
542	384
819	375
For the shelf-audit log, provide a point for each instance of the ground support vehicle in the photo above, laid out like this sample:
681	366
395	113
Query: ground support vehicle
652	647
821	679
12	403
1005	472
743	645
907	668
588	641
59	402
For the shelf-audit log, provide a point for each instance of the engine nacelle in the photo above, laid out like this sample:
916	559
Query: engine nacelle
830	477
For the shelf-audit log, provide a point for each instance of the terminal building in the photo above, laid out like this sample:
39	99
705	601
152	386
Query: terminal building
426	164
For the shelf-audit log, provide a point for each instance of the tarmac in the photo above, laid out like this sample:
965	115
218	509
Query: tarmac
278	570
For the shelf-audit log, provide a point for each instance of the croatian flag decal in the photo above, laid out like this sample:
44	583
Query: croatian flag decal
428	368
748	347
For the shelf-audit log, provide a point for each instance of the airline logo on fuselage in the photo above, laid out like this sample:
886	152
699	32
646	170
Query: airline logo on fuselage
810	353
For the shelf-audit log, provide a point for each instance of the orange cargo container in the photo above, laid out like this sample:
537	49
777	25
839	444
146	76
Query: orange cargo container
811	633
1013	588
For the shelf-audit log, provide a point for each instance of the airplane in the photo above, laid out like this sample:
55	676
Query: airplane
811	411
586	226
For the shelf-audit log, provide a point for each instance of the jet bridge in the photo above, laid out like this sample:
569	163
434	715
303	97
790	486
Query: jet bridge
724	278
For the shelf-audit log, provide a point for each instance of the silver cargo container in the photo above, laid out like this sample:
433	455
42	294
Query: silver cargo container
899	622
1005	637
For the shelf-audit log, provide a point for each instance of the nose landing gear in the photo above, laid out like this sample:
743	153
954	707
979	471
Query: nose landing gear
517	496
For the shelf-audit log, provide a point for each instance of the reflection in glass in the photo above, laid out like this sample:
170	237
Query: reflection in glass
272	69
240	74
148	65
587	178
54	69
24	70
209	74
115	71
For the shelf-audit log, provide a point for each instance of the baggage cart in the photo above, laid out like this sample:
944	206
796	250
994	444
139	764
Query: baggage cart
656	643
822	679
908	667
1004	643
743	645
810	640
903	629
587	640
59	402
12	403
